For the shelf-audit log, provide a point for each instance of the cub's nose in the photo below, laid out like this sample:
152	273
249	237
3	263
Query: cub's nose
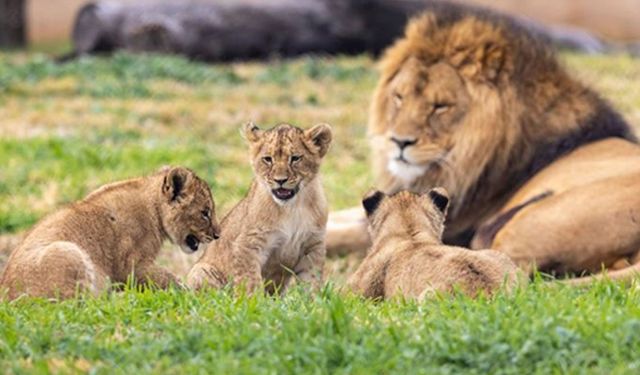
402	143
281	181
215	232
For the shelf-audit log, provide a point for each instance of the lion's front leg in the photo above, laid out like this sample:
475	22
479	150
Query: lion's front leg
247	263
206	275
309	269
347	232
156	276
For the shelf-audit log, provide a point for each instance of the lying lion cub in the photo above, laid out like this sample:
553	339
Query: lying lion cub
408	258
114	232
277	231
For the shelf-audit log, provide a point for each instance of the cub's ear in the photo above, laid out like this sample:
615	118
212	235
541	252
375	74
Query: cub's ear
251	132
440	198
164	169
372	200
175	182
479	51
319	137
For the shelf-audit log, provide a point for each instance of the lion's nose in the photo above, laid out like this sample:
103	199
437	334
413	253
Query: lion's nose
403	143
281	181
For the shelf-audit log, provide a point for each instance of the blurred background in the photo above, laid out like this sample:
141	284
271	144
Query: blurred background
50	22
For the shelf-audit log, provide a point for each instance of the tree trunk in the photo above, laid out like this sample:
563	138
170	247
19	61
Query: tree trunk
12	23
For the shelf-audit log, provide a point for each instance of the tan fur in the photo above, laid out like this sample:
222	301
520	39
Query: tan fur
591	219
491	115
267	240
115	232
408	258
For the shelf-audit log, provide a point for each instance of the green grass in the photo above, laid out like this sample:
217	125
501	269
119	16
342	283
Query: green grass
67	129
539	330
71	161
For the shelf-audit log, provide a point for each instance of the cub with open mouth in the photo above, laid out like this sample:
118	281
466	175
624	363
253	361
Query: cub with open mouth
114	233
276	233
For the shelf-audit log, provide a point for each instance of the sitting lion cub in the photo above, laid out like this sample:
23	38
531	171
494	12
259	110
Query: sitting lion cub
114	232
277	231
408	258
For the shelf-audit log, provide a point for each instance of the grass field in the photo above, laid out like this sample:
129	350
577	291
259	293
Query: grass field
65	130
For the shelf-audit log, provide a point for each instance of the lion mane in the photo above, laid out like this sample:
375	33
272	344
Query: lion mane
484	104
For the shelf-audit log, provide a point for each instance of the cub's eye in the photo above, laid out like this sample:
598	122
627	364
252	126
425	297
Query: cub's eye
267	160
205	213
295	158
440	108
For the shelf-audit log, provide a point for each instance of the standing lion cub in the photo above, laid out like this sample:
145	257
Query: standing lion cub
277	231
408	258
114	232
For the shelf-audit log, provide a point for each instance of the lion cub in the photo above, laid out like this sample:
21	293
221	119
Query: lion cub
408	258
114	232
277	231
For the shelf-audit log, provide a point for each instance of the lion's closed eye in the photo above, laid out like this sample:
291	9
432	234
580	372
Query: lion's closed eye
440	108
397	99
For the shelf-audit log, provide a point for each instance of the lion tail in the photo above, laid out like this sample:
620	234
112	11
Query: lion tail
626	275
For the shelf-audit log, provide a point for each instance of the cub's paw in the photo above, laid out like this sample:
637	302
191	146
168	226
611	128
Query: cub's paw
204	275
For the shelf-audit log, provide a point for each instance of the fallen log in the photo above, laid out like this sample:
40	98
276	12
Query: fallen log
253	29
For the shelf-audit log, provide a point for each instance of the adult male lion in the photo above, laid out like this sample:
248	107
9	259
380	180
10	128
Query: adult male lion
538	165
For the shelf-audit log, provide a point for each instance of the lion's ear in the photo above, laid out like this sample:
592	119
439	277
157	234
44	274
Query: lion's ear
251	132
486	61
319	137
175	182
372	201
479	50
439	197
